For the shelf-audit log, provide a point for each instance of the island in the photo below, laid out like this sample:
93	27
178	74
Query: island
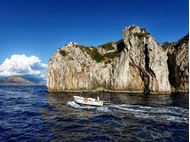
137	63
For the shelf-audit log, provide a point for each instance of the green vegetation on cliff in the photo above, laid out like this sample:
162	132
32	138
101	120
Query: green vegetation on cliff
93	52
111	55
131	28
184	40
141	34
107	46
176	45
63	53
95	55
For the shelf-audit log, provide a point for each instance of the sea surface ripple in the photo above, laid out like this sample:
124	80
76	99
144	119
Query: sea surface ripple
29	113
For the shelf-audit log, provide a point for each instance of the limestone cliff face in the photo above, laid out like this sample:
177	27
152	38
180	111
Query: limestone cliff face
178	64
137	63
147	58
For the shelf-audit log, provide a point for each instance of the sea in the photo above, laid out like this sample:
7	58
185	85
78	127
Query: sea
31	114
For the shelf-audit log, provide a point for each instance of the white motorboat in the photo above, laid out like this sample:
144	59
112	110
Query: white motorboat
88	101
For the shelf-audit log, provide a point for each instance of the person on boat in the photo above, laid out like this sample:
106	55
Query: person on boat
97	99
85	99
80	93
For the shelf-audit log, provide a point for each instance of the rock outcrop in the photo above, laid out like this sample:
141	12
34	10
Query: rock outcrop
136	63
178	64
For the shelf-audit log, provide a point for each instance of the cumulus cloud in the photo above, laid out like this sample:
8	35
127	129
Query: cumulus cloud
23	65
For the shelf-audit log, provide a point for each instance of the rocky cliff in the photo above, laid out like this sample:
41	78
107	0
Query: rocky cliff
136	63
178	64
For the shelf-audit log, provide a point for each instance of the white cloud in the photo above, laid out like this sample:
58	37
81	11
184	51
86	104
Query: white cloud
23	65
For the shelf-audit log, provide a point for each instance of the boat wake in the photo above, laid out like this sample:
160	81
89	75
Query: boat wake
87	107
155	113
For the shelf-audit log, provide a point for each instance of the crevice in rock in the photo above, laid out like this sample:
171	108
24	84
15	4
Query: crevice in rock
147	60
173	70
147	69
120	46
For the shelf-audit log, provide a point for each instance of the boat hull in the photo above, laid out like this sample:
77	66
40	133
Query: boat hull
87	101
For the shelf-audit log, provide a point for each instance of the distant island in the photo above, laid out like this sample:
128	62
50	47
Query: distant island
16	80
136	63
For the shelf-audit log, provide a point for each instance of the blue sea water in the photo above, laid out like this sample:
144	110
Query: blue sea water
29	113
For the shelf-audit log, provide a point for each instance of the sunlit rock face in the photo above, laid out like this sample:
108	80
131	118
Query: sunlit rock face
178	64
136	63
147	59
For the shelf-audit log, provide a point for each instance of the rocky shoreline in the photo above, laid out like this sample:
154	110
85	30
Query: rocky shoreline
135	64
111	91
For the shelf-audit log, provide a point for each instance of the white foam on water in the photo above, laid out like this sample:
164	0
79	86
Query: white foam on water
103	109
78	106
165	113
128	109
75	105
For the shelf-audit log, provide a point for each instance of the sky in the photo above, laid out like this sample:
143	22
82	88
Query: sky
38	27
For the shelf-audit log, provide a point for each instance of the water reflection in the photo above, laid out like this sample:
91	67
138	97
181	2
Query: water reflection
124	98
